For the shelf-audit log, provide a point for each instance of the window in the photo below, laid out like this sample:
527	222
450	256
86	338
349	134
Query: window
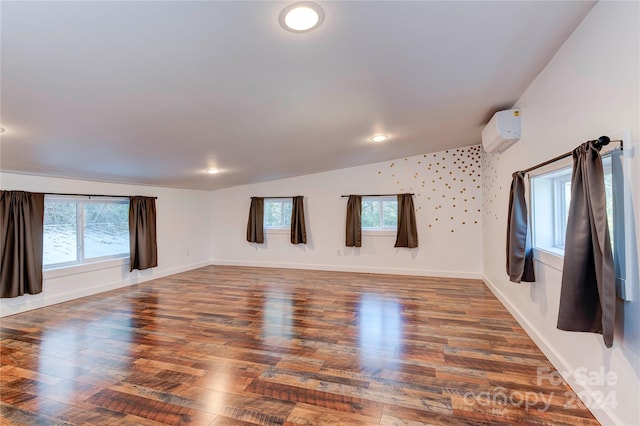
550	199
79	230
277	213
379	213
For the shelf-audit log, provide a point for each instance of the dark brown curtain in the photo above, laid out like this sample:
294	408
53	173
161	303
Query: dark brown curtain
407	234
519	251
588	294
354	221
142	233
298	229
255	225
22	215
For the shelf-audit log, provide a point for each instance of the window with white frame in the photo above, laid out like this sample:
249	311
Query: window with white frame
379	213
277	213
550	199
81	230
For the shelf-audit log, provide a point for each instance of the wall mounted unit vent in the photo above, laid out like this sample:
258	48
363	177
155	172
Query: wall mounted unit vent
502	131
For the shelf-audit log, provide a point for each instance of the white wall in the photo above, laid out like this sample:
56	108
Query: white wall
590	88
183	230
447	187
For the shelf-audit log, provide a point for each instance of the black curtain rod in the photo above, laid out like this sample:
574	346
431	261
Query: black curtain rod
602	141
374	195
91	195
290	196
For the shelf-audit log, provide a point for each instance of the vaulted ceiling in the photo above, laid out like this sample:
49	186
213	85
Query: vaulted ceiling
158	92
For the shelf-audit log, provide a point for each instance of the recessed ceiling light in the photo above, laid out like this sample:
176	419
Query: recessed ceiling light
301	17
213	171
378	138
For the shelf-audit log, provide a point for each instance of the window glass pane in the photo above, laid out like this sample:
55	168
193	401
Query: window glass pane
277	213
390	214
608	188
286	213
567	199
551	198
106	229
272	214
60	236
371	213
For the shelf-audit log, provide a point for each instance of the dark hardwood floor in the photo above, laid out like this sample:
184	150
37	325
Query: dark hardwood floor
238	346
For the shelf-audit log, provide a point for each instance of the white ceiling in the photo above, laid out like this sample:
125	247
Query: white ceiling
157	92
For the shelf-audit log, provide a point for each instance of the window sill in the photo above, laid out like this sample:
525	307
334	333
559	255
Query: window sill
372	233
277	230
83	268
551	257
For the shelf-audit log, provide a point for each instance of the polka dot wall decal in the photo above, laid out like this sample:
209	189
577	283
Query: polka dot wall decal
442	184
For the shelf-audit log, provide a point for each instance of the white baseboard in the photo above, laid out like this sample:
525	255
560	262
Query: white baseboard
602	414
28	303
350	268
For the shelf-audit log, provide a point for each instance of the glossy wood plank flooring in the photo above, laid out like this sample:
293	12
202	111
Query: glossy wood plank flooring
238	346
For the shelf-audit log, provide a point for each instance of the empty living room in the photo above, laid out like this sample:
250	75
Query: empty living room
319	212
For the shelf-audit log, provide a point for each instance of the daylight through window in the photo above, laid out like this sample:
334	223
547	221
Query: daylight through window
550	200
379	213
78	230
277	213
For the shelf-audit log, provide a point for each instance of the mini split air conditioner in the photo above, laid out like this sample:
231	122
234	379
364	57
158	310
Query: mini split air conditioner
502	131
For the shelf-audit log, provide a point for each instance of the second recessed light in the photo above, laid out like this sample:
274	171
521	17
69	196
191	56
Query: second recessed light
378	138
301	17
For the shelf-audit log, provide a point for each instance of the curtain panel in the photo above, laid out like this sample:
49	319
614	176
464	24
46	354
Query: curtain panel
519	250
407	234
22	215
298	228
142	233
588	293
354	221
255	224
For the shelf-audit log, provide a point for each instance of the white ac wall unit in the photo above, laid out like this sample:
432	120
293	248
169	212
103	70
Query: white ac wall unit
502	131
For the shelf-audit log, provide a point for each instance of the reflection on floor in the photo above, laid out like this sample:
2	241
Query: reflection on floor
232	346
